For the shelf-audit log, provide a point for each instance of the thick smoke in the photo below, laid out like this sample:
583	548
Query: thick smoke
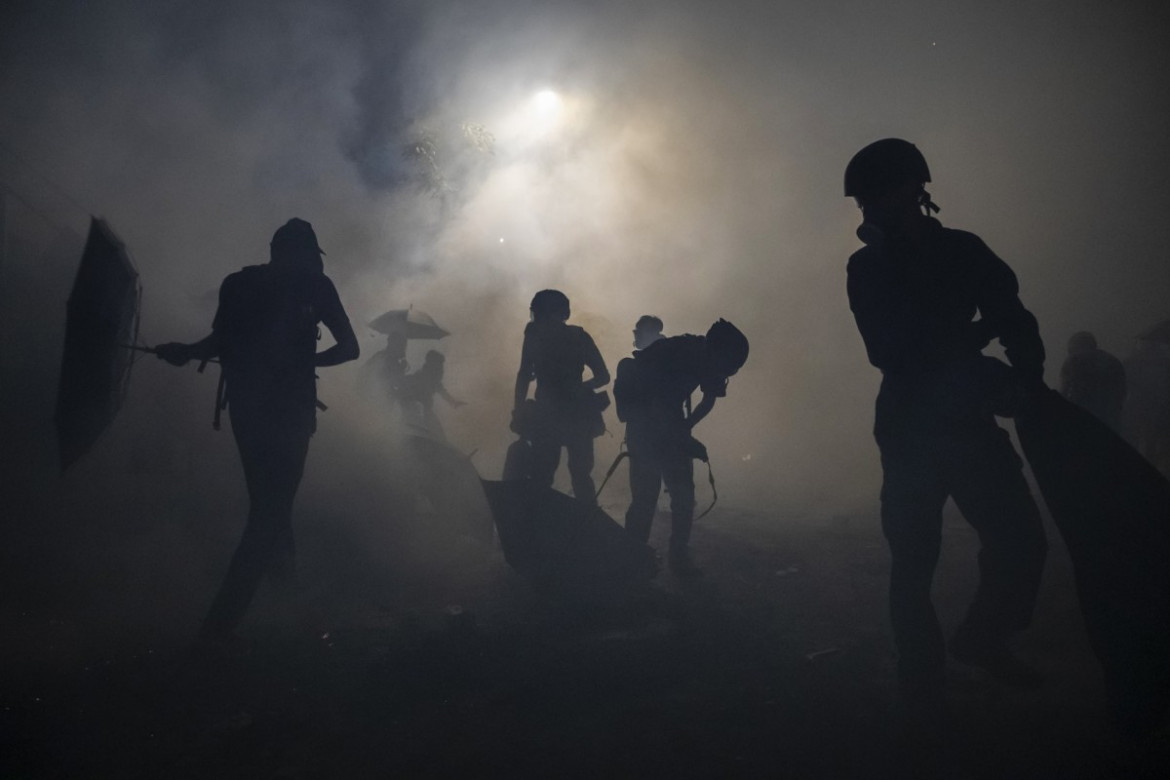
688	166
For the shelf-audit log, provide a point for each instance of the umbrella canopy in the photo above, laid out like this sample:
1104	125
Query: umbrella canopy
1159	333
1113	511
412	322
565	545
101	321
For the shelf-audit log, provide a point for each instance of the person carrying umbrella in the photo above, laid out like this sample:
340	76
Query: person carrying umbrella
914	290
265	335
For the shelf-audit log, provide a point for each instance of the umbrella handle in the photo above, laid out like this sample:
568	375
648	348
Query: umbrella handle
153	351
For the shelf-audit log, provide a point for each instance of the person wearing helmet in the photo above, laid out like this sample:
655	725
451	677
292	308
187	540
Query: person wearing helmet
1093	379
653	393
265	336
555	356
915	290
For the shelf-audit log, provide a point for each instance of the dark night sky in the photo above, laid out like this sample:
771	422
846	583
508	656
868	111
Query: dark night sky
692	168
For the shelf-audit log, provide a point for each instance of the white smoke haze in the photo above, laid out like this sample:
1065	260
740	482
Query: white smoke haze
664	158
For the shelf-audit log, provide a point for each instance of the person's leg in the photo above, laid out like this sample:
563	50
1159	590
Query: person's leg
645	485
678	474
544	458
273	464
989	488
912	499
580	451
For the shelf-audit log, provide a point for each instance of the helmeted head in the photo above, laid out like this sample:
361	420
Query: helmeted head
294	247
647	330
727	348
435	357
1084	341
888	179
549	306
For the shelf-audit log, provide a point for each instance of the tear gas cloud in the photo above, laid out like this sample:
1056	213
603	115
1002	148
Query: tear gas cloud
656	157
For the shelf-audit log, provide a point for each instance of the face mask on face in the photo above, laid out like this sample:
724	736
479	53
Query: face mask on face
880	221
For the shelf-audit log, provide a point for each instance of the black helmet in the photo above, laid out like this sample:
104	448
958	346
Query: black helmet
550	304
729	346
883	165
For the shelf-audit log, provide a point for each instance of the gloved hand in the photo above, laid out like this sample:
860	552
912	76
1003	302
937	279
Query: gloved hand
174	353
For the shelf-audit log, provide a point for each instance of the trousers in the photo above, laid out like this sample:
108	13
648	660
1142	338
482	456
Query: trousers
652	463
977	466
273	455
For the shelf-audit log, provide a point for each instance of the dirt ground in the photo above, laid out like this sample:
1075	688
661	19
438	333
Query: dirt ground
777	663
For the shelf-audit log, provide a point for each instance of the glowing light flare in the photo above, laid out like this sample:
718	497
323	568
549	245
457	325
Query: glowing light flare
545	112
546	102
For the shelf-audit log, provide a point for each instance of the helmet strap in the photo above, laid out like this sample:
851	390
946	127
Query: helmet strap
927	205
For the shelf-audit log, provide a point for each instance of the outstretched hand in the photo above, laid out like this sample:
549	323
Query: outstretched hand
174	353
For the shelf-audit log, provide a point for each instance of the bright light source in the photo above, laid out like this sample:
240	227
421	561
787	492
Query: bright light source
547	101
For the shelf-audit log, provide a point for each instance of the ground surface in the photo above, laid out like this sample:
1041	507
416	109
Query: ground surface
777	663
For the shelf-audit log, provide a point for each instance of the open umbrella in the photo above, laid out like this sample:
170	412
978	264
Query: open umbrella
102	320
413	323
1113	511
565	545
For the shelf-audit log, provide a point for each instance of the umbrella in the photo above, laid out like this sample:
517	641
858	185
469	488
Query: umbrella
102	319
415	324
446	477
563	544
1113	510
1159	333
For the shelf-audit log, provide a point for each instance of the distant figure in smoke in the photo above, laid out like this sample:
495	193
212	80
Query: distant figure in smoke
1147	404
1093	379
382	375
418	390
265	335
647	330
566	411
914	290
653	394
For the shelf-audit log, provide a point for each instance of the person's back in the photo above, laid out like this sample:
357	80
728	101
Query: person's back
266	326
560	353
567	413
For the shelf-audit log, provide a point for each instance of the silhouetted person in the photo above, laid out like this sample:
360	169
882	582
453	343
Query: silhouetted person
382	374
555	355
265	335
418	390
647	330
653	393
1147	403
914	291
1093	379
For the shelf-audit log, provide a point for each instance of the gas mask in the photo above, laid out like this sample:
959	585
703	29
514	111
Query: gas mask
880	221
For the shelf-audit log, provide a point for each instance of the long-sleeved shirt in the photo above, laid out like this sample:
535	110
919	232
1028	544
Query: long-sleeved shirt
915	304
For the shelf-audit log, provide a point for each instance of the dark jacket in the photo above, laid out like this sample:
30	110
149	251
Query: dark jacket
915	305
